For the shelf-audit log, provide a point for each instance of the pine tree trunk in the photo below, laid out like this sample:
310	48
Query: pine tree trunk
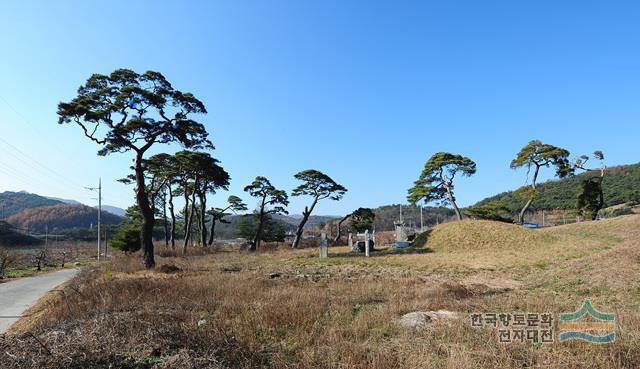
212	231
256	241
185	221
173	220
524	211
452	200
305	217
164	215
146	211
189	221
339	231
530	201
203	220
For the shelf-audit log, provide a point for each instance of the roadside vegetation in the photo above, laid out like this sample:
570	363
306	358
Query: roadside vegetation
220	308
27	261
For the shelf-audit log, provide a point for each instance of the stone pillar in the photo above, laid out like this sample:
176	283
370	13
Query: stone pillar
366	243
324	246
351	241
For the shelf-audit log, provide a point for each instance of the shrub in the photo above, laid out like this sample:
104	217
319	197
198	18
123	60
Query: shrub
490	211
620	212
7	257
128	238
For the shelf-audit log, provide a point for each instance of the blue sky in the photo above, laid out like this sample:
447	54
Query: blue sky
364	91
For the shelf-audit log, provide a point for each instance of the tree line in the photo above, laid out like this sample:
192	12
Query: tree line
436	181
130	112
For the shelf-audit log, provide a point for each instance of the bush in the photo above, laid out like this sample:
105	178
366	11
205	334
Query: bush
128	238
620	212
633	198
490	211
272	230
7	257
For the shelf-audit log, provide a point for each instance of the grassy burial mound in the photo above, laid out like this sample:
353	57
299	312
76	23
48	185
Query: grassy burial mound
483	244
474	235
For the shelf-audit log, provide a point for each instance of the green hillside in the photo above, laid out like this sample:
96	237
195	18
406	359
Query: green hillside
621	185
14	202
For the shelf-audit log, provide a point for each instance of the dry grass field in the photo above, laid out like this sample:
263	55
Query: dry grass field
290	309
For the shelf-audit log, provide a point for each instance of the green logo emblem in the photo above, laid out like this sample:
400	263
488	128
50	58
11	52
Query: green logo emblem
596	327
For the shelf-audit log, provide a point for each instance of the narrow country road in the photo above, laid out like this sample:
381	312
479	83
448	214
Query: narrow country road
19	295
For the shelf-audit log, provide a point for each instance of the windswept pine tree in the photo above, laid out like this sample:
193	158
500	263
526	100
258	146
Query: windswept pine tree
126	111
270	201
537	155
591	191
319	186
436	182
235	204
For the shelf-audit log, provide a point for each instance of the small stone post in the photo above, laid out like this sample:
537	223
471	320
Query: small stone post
351	241
324	246
366	243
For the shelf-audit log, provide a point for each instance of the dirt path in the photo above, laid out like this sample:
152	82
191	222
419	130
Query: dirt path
17	296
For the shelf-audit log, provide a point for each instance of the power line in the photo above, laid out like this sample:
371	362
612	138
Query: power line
36	162
25	120
32	127
29	180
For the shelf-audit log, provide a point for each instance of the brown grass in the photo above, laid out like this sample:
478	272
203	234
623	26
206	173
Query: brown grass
289	309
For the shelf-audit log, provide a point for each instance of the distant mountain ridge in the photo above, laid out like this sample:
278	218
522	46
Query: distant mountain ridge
66	201
14	202
60	216
113	210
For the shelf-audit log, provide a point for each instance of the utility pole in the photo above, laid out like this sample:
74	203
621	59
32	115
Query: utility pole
106	243
99	190
99	215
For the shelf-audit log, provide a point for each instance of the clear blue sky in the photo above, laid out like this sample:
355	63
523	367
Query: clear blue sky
365	91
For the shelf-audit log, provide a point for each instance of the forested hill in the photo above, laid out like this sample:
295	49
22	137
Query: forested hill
14	202
387	214
60	216
621	185
9	237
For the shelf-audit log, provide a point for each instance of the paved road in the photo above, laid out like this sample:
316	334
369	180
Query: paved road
17	296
